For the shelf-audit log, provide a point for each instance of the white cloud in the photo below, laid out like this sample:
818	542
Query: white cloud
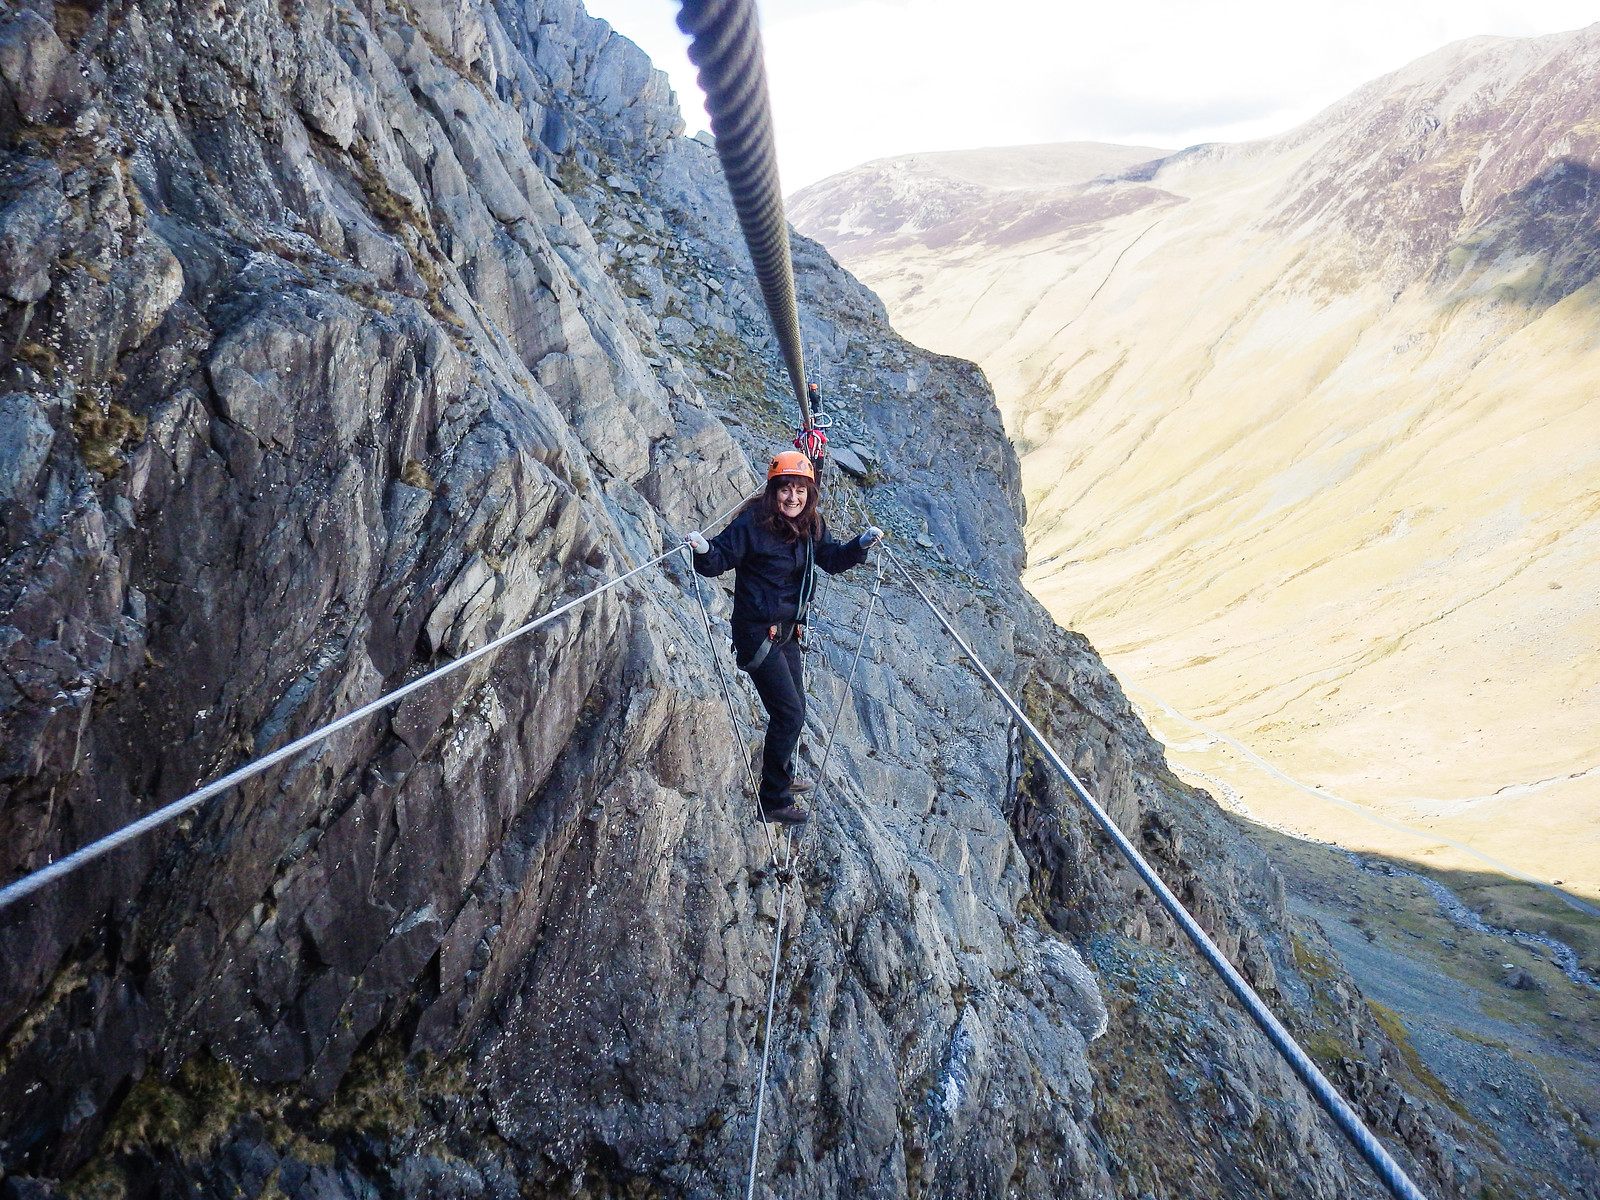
859	79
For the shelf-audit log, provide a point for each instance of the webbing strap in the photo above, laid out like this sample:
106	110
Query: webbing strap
808	583
760	656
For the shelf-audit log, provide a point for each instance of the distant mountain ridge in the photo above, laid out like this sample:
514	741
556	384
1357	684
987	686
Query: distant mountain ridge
1309	444
935	198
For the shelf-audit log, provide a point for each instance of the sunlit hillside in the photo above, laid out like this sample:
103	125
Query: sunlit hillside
1310	439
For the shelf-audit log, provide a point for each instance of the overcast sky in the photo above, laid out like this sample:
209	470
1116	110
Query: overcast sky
854	80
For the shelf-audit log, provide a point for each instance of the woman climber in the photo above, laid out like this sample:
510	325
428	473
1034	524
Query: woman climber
773	545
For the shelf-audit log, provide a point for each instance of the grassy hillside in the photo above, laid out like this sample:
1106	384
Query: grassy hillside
1309	443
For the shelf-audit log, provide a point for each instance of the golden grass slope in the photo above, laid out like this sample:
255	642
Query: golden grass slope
1311	438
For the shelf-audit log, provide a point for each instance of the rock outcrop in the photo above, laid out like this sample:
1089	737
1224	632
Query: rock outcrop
349	335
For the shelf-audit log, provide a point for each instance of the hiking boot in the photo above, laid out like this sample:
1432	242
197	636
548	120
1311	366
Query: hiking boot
789	814
799	786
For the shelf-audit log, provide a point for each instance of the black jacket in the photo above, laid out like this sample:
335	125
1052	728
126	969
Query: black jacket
770	571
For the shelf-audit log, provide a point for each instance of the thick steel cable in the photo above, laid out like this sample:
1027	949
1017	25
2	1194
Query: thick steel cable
1379	1159
766	1043
726	46
786	876
727	49
844	696
29	884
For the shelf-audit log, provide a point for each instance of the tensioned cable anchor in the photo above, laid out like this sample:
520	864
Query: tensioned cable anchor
1366	1143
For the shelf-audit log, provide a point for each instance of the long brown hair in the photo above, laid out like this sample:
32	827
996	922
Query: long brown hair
807	526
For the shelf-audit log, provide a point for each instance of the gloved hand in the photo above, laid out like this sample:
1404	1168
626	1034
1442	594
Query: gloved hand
869	537
697	542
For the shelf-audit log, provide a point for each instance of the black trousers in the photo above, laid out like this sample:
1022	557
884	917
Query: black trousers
780	681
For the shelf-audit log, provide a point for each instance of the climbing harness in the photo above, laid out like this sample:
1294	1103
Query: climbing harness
812	441
786	631
31	883
778	635
1379	1159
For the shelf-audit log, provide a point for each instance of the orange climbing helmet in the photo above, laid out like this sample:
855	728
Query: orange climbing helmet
791	462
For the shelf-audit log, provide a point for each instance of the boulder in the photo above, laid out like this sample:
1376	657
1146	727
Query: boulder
849	460
38	80
32	208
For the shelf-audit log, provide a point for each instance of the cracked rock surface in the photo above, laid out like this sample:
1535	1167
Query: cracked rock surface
348	336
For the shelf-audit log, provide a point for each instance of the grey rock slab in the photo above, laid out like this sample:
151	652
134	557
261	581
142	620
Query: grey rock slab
678	331
37	75
26	435
849	460
32	208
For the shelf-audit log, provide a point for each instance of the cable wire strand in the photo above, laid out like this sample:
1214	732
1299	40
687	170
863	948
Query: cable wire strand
31	883
726	46
1378	1158
849	683
766	1042
733	721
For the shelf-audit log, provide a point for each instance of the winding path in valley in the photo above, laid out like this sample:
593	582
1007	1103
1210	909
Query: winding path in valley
1261	764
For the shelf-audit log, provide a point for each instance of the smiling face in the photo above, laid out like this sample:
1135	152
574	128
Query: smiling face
792	497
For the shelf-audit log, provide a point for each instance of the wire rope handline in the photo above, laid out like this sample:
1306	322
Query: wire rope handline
786	876
726	46
766	1041
849	682
727	695
1378	1158
31	883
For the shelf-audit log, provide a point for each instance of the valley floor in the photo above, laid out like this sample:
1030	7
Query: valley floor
1521	1063
1253	786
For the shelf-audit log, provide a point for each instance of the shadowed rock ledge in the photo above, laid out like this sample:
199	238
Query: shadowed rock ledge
343	337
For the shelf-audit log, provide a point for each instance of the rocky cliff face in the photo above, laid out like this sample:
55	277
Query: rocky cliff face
345	336
1308	444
